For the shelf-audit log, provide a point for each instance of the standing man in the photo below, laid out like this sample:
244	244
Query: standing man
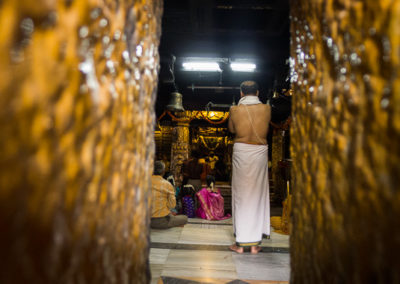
250	191
163	200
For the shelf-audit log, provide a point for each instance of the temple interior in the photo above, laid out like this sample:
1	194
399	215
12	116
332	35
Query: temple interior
196	121
93	93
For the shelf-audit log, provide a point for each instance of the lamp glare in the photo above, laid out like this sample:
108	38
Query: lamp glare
201	66
243	67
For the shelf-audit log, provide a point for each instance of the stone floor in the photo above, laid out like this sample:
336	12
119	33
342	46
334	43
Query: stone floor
198	253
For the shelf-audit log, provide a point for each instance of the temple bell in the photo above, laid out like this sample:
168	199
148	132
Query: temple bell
175	103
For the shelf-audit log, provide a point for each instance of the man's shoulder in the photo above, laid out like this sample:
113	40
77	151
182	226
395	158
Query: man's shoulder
161	184
233	108
261	106
158	179
264	107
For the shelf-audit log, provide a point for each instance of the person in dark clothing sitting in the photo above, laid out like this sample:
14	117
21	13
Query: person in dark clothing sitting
192	170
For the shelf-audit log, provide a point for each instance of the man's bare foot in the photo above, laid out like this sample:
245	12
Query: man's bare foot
236	249
255	249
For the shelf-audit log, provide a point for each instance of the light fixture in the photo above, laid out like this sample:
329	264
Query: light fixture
201	66
243	66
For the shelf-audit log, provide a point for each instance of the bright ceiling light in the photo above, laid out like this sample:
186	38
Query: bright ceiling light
201	66
243	67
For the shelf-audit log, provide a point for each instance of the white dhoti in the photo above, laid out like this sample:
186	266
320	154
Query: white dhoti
250	193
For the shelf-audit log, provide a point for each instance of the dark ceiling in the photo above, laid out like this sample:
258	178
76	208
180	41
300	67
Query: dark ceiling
257	30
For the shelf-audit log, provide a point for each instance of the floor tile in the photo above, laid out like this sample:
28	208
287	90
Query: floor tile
158	256
271	266
209	226
204	221
223	235
199	272
170	235
276	240
155	270
200	250
201	259
217	236
192	280
192	263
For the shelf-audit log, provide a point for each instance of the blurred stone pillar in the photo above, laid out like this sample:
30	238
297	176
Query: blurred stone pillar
180	146
78	82
345	66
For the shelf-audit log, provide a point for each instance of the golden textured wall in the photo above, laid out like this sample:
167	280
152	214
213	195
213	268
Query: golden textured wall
346	141
78	82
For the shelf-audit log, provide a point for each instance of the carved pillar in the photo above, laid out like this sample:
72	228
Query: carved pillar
278	142
180	146
77	88
345	142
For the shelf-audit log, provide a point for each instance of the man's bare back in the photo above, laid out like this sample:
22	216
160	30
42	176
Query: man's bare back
244	130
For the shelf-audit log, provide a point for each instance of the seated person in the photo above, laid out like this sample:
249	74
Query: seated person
206	170
162	201
189	200
191	170
211	202
170	178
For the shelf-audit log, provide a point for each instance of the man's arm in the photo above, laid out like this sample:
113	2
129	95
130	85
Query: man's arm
231	127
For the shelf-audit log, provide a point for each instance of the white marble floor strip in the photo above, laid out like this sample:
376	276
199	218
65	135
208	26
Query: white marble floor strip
208	264
204	221
158	256
272	266
171	235
200	250
203	236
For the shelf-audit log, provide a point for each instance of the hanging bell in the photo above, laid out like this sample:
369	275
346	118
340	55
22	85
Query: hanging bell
175	103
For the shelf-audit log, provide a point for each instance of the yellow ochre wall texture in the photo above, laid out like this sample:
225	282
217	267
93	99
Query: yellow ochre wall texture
345	63
77	82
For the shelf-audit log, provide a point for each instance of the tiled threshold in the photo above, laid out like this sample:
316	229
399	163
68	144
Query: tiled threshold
159	245
174	280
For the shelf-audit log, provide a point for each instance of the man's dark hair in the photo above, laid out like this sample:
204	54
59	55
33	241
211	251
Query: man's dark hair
159	168
249	88
210	179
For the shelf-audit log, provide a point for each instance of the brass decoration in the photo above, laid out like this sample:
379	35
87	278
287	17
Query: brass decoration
180	146
277	151
213	117
163	139
76	120
211	143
